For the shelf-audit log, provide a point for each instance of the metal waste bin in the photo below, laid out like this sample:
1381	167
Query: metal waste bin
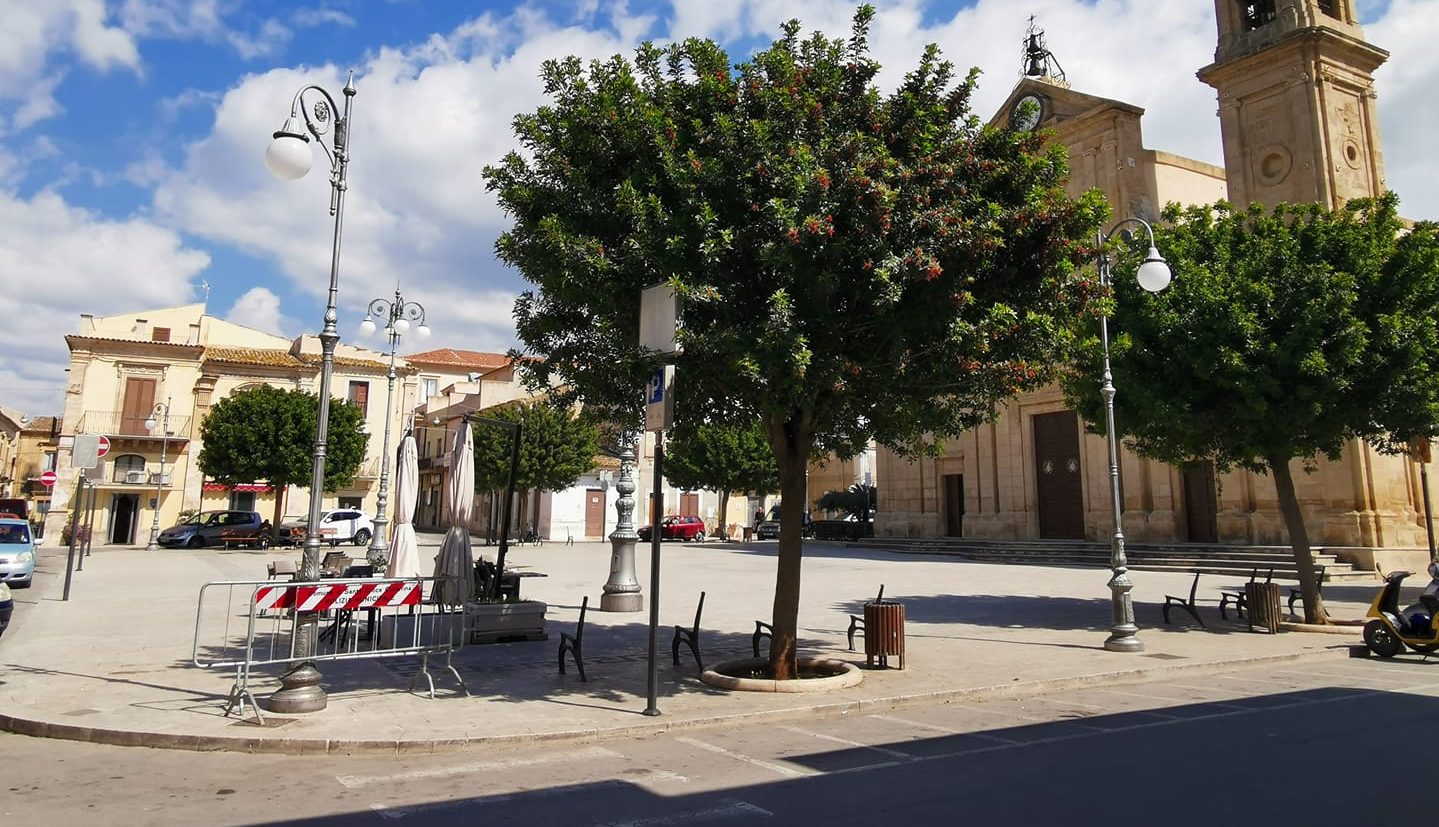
883	632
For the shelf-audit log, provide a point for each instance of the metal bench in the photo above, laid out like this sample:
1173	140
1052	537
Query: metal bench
856	623
1170	601
762	630
689	637
1238	596
1296	593
574	643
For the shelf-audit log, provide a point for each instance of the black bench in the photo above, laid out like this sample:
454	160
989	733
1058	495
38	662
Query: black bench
689	637
1171	601
856	623
1237	596
1297	593
574	643
762	630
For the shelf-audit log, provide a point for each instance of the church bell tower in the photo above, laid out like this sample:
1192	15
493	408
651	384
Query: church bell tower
1296	101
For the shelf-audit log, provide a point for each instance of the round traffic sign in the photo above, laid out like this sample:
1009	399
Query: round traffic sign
47	478
104	447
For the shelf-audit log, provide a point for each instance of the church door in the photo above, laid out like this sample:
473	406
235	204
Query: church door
1056	468
1201	503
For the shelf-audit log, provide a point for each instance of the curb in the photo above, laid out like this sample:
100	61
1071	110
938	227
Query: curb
344	746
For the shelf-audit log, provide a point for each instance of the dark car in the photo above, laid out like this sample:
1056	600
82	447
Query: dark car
684	527
215	528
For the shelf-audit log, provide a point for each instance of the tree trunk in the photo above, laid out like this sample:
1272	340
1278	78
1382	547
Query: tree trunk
279	511
1298	540
721	527
791	443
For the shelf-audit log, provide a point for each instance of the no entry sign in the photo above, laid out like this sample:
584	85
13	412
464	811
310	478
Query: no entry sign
47	479
104	447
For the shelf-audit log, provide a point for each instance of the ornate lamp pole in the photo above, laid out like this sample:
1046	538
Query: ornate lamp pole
622	590
1153	276
162	409
312	114
397	315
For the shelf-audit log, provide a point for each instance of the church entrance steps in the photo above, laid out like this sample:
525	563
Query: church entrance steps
1236	561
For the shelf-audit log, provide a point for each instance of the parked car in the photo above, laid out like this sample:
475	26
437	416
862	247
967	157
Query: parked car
684	527
339	525
17	553
7	607
216	528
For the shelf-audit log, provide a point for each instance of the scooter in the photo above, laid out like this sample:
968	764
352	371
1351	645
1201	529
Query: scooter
1391	629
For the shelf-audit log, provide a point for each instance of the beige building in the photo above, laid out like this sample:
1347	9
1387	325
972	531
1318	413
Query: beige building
170	365
1296	110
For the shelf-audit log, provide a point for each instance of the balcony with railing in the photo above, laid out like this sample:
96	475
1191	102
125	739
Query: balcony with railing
117	424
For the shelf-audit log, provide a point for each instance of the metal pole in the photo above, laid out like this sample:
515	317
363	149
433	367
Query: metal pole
379	553
75	507
656	510
300	689
1428	512
159	478
622	589
90	519
1123	633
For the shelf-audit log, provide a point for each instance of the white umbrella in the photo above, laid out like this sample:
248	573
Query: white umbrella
455	560
404	550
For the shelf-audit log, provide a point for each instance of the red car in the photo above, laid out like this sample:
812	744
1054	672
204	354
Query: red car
684	527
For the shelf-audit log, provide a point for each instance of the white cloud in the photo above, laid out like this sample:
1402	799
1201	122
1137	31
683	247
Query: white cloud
34	33
65	261
306	18
272	39
259	308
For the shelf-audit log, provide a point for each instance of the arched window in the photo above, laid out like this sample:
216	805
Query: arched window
127	466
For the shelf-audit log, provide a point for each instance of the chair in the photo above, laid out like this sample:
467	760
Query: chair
281	569
689	637
574	643
1296	593
1237	596
334	563
856	623
1187	605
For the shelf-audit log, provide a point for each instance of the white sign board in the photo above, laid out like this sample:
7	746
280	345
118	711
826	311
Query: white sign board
659	314
85	453
659	399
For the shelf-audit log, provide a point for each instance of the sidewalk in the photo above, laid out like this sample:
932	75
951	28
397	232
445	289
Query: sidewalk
112	665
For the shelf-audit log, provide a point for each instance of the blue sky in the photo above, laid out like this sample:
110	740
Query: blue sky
132	134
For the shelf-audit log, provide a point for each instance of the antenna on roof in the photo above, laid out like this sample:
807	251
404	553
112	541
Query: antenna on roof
205	285
1039	62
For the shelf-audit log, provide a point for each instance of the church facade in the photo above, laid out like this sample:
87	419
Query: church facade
1296	103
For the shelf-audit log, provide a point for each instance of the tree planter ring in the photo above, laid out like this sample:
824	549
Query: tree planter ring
849	675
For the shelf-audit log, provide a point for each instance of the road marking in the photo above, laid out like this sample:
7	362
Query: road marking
390	813
893	753
356	781
1290	683
894	719
781	769
726	808
1173	701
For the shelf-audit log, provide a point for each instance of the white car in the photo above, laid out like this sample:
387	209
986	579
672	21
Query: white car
340	525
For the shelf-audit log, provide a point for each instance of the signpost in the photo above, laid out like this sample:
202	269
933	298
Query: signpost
47	479
659	316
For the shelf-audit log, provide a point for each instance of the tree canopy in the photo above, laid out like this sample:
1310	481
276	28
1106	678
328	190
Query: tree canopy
1285	334
858	501
721	457
266	433
852	265
556	447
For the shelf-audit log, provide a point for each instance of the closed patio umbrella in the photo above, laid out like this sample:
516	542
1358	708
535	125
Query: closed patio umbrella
404	549
455	559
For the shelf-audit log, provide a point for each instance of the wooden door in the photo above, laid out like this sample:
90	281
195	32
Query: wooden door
1057	480
689	503
954	505
1201	502
594	512
138	405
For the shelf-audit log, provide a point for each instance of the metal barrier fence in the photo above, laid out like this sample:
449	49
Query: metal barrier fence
244	624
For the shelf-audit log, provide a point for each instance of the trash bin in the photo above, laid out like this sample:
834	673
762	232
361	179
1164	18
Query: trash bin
748	533
883	632
1263	605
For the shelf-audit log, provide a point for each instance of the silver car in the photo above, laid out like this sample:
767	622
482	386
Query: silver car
17	553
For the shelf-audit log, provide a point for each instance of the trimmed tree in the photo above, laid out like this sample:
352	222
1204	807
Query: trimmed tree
556	448
722	458
853	265
266	433
857	501
1286	334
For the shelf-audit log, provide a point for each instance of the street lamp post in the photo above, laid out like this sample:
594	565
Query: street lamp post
1153	276
312	114
163	410
397	315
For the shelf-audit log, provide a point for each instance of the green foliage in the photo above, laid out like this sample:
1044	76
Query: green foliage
556	447
268	434
1284	334
722	458
858	501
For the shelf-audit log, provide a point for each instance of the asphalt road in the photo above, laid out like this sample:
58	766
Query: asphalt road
1333	742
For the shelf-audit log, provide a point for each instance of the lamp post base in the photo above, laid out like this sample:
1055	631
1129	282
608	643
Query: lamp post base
622	602
300	691
622	590
1124	641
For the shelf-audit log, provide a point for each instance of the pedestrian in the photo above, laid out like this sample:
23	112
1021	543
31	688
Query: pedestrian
758	517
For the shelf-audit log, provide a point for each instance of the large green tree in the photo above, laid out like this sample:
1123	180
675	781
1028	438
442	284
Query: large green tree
1286	334
723	458
852	265
556	447
266	433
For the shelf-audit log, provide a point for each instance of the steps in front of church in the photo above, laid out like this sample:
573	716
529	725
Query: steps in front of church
1238	561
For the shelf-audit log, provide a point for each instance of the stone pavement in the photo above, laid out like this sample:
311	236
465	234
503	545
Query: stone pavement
113	664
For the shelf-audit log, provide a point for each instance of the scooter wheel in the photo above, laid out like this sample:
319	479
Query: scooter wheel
1381	640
